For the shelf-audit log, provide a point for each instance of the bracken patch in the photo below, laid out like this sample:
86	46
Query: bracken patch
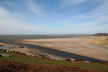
20	67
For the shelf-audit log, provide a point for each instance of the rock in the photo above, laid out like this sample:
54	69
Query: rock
20	46
79	60
1	45
5	55
68	59
42	55
87	61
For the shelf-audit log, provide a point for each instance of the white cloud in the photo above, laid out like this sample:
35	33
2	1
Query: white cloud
102	10
99	22
100	14
34	7
11	25
66	3
90	29
18	15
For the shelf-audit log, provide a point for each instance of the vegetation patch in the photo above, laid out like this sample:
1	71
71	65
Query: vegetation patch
35	60
101	41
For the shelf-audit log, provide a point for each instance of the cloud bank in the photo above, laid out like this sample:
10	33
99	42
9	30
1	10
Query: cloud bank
34	7
11	25
61	16
98	20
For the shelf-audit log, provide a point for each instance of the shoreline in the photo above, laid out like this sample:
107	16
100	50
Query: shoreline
38	48
34	50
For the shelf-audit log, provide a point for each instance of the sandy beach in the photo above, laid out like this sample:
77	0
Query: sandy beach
90	46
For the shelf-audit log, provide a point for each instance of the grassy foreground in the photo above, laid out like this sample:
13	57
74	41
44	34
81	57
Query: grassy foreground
31	60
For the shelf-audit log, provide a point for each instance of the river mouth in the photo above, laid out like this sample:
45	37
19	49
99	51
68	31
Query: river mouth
62	54
53	53
20	37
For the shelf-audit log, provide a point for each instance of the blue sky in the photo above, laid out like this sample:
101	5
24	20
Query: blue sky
53	16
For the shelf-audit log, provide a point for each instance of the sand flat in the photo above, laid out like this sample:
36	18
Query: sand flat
81	46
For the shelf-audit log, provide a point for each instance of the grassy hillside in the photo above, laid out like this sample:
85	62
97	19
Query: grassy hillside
36	60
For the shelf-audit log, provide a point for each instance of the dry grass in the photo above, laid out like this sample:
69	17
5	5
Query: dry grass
100	41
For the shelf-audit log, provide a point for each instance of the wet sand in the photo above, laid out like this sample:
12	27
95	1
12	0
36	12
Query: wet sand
74	48
52	53
79	46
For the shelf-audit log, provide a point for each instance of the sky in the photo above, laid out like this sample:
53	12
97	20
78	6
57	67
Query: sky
53	16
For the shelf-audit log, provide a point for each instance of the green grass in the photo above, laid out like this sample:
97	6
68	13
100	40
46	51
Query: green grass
5	52
31	60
